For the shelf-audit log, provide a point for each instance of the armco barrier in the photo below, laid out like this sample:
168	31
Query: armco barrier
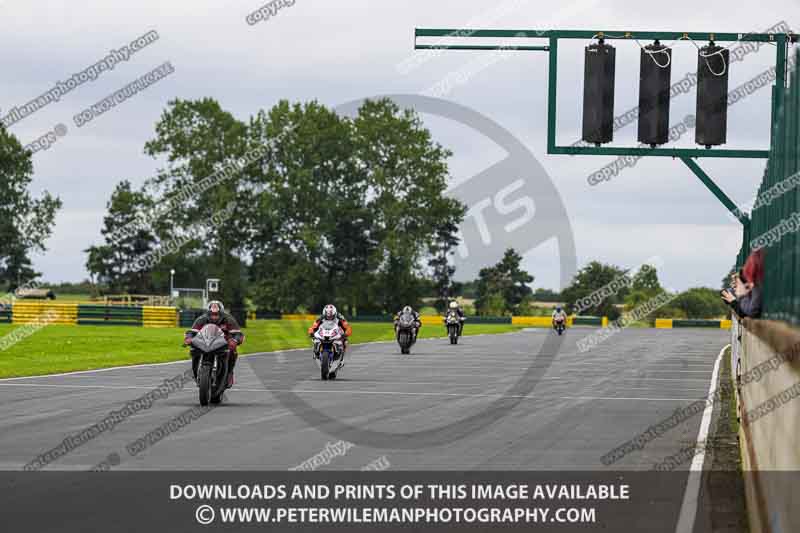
668	323
25	312
159	317
306	317
685	323
769	433
589	321
537	321
108	315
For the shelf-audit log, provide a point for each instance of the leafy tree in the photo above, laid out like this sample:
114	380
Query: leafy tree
197	139
315	215
406	175
361	199
646	280
25	222
701	302
115	263
545	295
507	279
589	279
644	287
446	239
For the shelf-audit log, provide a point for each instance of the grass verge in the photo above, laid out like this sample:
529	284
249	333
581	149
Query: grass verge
55	348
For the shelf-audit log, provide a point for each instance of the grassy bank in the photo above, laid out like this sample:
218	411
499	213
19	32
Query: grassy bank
56	349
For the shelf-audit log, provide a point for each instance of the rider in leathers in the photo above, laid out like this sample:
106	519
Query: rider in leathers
417	321
460	312
216	314
330	313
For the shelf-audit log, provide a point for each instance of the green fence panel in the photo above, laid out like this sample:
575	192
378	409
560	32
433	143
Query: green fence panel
778	211
688	323
587	321
109	315
5	314
488	320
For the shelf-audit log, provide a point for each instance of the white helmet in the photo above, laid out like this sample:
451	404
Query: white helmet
329	312
453	305
407	309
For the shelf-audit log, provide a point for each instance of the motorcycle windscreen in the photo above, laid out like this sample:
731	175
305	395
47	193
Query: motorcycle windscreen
329	327
210	338
406	320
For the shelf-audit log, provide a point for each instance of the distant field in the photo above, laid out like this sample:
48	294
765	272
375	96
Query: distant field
56	349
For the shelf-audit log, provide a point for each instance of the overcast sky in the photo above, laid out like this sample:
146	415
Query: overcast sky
338	51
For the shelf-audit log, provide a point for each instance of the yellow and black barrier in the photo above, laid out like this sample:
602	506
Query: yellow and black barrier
669	323
71	314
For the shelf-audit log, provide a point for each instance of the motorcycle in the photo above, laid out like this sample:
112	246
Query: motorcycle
453	325
212	371
559	325
328	344
405	332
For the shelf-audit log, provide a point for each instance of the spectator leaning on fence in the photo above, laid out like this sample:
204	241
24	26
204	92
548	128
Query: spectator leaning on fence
746	297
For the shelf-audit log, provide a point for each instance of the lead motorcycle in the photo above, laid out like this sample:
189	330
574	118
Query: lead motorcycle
559	325
405	332
328	343
453	324
212	371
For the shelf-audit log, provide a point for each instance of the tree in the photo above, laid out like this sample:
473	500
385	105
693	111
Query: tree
506	279
646	280
701	302
545	295
313	215
115	263
199	139
644	287
406	175
591	278
362	200
25	222
445	241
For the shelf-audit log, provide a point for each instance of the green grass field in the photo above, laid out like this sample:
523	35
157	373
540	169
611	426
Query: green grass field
56	348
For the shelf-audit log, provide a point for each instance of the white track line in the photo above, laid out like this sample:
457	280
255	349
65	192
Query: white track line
384	393
692	493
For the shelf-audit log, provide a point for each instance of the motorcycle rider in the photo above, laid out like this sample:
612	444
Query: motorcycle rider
460	312
559	314
330	313
216	314
417	322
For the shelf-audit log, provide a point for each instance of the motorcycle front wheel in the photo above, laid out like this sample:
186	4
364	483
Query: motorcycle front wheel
324	360
204	383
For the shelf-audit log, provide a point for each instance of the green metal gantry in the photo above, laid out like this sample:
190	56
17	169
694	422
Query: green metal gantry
781	40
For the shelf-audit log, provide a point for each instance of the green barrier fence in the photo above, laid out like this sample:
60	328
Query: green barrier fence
101	315
5	314
587	321
775	219
685	323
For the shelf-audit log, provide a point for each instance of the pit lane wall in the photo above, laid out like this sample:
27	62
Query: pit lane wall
766	358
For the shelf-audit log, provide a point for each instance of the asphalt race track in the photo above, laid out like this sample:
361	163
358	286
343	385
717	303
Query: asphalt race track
580	407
